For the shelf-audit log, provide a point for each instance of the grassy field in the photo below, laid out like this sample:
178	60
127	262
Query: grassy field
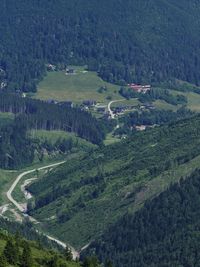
6	118
84	85
6	179
192	98
161	104
76	87
110	139
193	101
54	136
124	102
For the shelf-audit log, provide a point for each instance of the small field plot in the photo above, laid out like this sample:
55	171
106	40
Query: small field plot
161	104
192	98
77	87
132	102
110	139
54	136
6	118
6	179
193	101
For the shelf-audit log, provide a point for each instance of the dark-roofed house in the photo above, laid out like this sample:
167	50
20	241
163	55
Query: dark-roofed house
89	102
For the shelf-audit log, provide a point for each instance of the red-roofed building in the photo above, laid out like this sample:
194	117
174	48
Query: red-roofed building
140	88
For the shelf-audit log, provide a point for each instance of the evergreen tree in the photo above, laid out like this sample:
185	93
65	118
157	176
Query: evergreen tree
54	262
11	252
108	263
91	262
3	262
68	254
26	259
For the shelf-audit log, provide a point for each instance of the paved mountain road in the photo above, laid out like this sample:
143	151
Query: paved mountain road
21	208
112	115
19	177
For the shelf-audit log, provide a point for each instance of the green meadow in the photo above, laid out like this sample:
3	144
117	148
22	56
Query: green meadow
82	85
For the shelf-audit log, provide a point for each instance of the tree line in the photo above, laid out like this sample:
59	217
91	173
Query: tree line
150	118
18	251
154	94
17	147
134	161
36	114
109	38
163	233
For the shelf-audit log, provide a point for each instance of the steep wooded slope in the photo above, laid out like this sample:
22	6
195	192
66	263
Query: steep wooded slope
16	251
84	196
140	40
163	233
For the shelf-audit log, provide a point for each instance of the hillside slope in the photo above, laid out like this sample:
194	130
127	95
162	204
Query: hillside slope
83	197
135	40
16	251
163	233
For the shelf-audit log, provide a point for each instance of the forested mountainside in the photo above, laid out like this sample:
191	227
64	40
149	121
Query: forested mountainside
17	251
38	114
149	118
83	197
17	148
28	232
135	40
165	232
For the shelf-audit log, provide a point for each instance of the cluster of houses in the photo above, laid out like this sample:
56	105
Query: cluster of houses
3	85
62	103
51	67
122	109
86	104
68	71
140	88
3	82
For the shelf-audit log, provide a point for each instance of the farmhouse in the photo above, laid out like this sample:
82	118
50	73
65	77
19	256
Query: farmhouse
89	103
70	71
3	85
51	101
51	67
140	88
141	127
66	104
101	109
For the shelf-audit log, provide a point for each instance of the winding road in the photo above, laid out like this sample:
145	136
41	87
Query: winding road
19	177
112	115
21	208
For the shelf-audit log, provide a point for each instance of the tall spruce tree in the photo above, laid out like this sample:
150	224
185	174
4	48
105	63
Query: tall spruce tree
26	259
11	252
3	261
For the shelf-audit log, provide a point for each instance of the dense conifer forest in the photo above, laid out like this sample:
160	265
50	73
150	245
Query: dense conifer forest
110	179
21	245
17	251
135	203
165	232
28	232
16	146
36	114
141	41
